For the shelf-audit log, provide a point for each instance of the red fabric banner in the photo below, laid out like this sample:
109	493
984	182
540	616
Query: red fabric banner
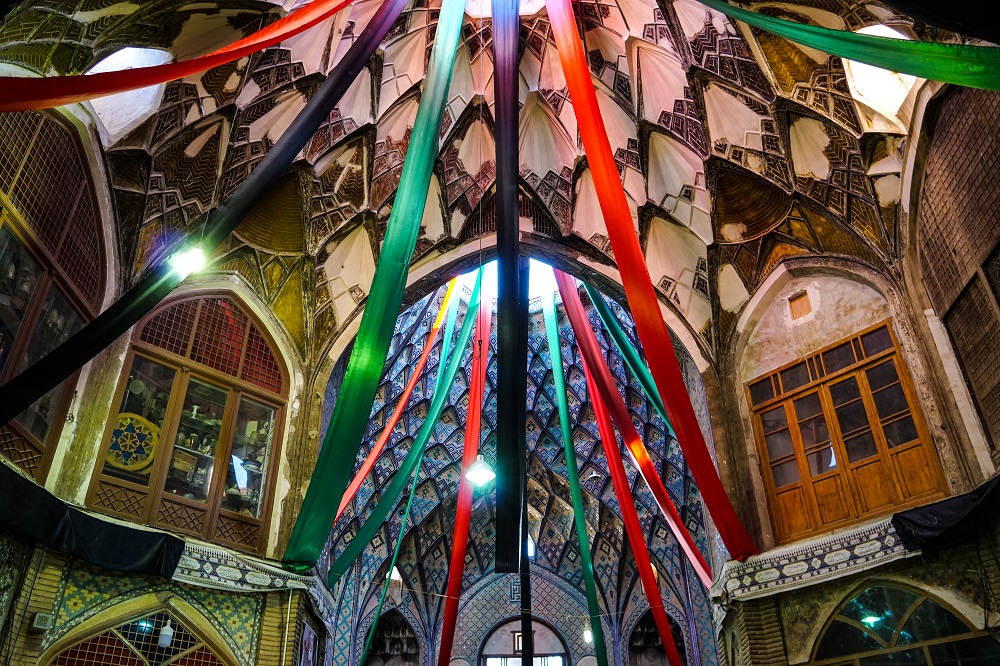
404	398
631	263
633	530
24	93
605	385
463	512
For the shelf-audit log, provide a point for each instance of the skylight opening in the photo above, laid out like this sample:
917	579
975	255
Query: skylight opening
124	112
541	280
880	89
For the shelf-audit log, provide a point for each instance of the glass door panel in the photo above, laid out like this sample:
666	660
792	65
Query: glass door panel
249	458
57	321
19	276
135	438
196	441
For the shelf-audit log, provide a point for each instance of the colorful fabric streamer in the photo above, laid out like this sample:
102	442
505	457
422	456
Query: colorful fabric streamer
401	405
604	382
394	489
629	353
573	475
52	369
961	64
635	278
392	565
633	529
24	93
350	415
463	510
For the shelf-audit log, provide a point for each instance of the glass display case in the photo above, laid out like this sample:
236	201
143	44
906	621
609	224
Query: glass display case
196	441
135	436
248	460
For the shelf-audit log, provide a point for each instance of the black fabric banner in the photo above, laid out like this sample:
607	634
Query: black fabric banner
941	520
966	17
34	513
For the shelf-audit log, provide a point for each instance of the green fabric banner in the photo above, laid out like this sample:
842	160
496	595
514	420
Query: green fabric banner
388	574
394	489
971	66
573	474
344	435
630	353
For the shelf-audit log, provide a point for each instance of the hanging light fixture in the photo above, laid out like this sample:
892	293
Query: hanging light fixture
588	634
480	473
166	636
185	262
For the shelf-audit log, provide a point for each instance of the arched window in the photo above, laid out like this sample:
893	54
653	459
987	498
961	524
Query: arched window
645	647
51	268
141	641
502	646
192	443
895	625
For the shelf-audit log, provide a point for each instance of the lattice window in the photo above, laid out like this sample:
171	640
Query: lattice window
217	333
46	178
135	643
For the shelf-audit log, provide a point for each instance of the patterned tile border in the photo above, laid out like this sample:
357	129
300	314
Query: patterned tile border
807	563
206	566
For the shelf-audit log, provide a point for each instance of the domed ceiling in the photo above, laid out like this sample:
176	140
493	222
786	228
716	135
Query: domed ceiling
427	538
737	149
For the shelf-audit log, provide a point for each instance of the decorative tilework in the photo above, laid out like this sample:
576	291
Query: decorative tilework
807	563
86	590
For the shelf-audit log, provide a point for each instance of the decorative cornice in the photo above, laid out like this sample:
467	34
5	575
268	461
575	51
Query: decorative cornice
207	566
809	562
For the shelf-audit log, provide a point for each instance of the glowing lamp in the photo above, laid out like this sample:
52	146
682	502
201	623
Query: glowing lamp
480	473
166	636
588	634
185	262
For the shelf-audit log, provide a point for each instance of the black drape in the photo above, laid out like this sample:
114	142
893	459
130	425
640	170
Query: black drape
34	513
938	522
972	18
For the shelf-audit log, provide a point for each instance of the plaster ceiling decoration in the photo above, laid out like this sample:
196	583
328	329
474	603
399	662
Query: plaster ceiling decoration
678	265
684	93
348	270
676	183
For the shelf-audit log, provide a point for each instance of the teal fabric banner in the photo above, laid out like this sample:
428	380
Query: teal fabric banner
630	353
573	475
394	489
344	435
971	66
388	573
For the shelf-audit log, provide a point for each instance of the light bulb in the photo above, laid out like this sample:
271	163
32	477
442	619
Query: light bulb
480	473
166	636
588	635
185	262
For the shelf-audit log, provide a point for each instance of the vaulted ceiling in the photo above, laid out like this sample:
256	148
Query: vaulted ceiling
427	537
736	149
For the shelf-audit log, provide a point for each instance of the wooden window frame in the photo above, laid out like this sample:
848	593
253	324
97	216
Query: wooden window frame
50	278
846	475
154	495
